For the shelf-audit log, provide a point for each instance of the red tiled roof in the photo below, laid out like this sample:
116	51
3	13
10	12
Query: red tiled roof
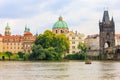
12	38
28	34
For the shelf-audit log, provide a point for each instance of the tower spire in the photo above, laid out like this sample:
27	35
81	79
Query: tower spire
60	18
106	16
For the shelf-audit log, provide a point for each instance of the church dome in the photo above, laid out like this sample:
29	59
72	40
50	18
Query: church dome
60	24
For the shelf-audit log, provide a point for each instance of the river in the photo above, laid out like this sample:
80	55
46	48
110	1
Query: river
72	70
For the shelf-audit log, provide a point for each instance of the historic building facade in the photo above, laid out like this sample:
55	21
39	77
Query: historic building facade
16	43
74	38
61	27
107	32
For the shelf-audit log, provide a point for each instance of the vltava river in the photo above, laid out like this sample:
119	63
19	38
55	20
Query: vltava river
59	70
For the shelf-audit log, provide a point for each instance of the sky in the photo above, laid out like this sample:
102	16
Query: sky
80	15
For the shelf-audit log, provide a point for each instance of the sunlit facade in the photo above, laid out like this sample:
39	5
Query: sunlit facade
16	43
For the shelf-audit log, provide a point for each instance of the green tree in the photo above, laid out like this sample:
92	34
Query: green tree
21	54
46	39
9	54
51	54
37	53
53	46
83	49
61	44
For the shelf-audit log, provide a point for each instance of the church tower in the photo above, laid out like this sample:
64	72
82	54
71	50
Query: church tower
7	30
106	32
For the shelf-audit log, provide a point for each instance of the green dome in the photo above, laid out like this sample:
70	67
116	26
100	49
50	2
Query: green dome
7	27
60	24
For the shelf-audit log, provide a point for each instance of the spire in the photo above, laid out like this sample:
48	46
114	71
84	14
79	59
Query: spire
7	27
27	29
36	33
112	20
60	18
106	16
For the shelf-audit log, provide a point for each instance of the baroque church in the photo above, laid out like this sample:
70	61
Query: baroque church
61	27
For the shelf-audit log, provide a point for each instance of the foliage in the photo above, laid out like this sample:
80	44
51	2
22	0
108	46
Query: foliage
21	54
83	47
49	46
81	55
77	56
37	53
9	54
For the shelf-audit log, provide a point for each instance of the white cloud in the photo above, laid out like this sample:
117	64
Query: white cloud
81	15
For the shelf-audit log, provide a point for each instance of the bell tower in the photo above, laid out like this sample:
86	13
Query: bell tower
106	32
7	30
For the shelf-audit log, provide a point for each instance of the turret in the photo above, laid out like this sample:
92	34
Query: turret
7	30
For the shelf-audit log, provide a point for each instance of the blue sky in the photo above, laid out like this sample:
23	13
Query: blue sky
39	15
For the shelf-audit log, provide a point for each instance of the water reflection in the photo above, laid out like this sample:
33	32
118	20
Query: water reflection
59	70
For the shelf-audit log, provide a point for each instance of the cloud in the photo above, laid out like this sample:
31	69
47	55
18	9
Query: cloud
80	15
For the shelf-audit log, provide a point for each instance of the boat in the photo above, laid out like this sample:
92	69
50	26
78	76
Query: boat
87	61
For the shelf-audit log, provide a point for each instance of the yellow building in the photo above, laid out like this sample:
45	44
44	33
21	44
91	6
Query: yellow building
75	39
16	43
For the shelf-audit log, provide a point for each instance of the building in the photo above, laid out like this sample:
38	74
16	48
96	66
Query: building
74	38
92	42
16	43
107	32
61	27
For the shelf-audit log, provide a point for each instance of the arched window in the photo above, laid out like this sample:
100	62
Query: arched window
56	31
108	35
107	44
61	31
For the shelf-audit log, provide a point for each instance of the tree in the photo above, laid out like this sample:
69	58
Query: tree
21	54
46	39
52	45
37	53
9	54
61	44
83	49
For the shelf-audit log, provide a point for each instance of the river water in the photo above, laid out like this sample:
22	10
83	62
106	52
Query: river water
72	70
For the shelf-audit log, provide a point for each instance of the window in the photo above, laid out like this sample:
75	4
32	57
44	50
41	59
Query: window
73	47
73	37
79	37
61	31
73	42
16	39
11	40
73	51
56	31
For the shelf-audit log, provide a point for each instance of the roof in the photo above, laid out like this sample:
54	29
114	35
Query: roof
28	34
60	24
12	38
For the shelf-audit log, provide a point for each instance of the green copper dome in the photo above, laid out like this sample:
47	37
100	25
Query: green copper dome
7	27
60	24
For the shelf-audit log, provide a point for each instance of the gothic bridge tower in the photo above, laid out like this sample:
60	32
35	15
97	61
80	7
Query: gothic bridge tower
107	33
